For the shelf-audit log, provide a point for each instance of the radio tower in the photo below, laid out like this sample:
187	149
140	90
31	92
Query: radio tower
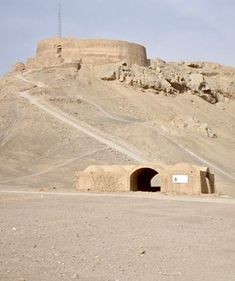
59	21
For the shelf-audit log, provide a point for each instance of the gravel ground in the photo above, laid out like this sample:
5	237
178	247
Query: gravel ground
100	237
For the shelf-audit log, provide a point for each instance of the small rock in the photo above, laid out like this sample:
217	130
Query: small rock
210	133
109	77
194	64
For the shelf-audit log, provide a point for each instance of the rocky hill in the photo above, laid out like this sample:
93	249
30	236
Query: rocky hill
55	120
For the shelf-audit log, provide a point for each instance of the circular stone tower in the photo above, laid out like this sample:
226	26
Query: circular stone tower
92	51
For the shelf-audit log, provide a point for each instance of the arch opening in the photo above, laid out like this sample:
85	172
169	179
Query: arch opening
59	49
146	180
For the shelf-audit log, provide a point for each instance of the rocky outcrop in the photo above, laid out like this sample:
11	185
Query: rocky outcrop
108	73
212	82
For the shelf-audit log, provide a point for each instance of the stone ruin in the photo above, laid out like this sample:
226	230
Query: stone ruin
179	179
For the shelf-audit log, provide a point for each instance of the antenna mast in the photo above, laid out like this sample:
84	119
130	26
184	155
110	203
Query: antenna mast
59	21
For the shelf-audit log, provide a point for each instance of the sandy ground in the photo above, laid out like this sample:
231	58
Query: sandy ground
68	236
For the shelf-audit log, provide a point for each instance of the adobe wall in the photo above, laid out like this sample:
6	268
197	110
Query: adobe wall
92	51
196	180
111	178
117	178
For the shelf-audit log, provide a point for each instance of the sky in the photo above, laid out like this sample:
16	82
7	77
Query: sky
173	30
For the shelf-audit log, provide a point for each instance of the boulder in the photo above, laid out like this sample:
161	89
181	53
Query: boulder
107	72
196	81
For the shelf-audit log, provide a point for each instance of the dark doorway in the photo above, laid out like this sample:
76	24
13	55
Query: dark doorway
207	182
145	179
59	49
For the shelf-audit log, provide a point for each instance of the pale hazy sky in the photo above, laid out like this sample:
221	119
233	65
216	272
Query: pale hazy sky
170	29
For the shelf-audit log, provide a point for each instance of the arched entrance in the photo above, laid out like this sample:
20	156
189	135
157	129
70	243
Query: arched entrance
59	50
144	179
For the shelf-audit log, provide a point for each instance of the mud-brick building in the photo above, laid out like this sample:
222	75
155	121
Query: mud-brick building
56	51
179	179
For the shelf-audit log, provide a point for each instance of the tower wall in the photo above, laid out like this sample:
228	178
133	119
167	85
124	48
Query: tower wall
90	51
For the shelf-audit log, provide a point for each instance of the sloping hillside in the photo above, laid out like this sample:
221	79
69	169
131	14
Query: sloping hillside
56	120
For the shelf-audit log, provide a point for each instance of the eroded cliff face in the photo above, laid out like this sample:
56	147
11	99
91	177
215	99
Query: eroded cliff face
212	82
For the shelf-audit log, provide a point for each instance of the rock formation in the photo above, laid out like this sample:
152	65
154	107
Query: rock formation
212	82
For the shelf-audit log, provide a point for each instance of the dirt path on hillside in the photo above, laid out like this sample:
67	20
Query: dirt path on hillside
55	166
87	129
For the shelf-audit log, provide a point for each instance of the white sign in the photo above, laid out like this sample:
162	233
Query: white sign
180	179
